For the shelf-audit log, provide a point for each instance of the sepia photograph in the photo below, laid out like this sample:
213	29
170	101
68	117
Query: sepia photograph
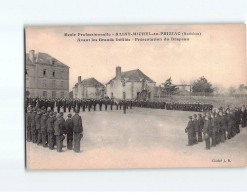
135	96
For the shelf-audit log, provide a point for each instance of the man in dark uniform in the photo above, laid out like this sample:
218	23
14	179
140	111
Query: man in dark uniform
201	123
100	105
105	102
28	124
195	129
69	132
206	132
224	125
43	125
214	129
189	131
83	105
111	103
50	130
69	104
58	105
78	104
94	104
77	130
52	104
33	126
124	106
74	105
38	126
58	132
221	129
64	105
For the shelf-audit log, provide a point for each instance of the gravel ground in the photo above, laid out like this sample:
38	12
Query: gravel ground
142	138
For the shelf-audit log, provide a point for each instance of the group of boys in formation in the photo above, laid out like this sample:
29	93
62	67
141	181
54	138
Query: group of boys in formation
216	126
46	127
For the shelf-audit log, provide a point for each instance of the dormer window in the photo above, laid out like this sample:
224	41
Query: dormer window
53	62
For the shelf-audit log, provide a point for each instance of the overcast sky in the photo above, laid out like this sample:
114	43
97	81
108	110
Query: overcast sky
219	53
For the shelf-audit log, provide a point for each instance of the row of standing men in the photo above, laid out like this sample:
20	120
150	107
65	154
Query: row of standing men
215	126
49	129
92	103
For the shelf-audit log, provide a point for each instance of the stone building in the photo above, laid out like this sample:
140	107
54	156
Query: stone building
46	76
133	84
88	89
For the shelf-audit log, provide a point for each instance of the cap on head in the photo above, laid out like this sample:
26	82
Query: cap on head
69	115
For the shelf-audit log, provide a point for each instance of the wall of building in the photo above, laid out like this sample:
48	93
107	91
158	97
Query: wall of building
131	89
89	92
48	78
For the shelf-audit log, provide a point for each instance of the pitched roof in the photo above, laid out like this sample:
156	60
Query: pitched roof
91	82
134	75
44	58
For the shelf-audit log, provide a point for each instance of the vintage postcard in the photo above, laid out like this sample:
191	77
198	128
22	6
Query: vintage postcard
135	96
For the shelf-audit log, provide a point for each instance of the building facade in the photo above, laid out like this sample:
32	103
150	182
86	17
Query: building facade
46	76
132	84
88	89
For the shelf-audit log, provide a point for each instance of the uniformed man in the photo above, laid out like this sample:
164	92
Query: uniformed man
100	105
195	129
58	105
50	130
229	124
201	123
214	129
77	130
38	126
33	126
58	132
43	125
105	102
206	132
69	132
28	124
189	131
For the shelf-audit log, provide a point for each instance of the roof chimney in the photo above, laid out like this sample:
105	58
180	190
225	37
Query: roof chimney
31	55
118	72
79	79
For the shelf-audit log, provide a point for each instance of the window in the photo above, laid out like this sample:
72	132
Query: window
53	94
53	62
44	93
26	72
62	94
44	84
44	72
62	74
53	73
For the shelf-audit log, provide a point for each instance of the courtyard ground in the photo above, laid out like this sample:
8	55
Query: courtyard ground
142	138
